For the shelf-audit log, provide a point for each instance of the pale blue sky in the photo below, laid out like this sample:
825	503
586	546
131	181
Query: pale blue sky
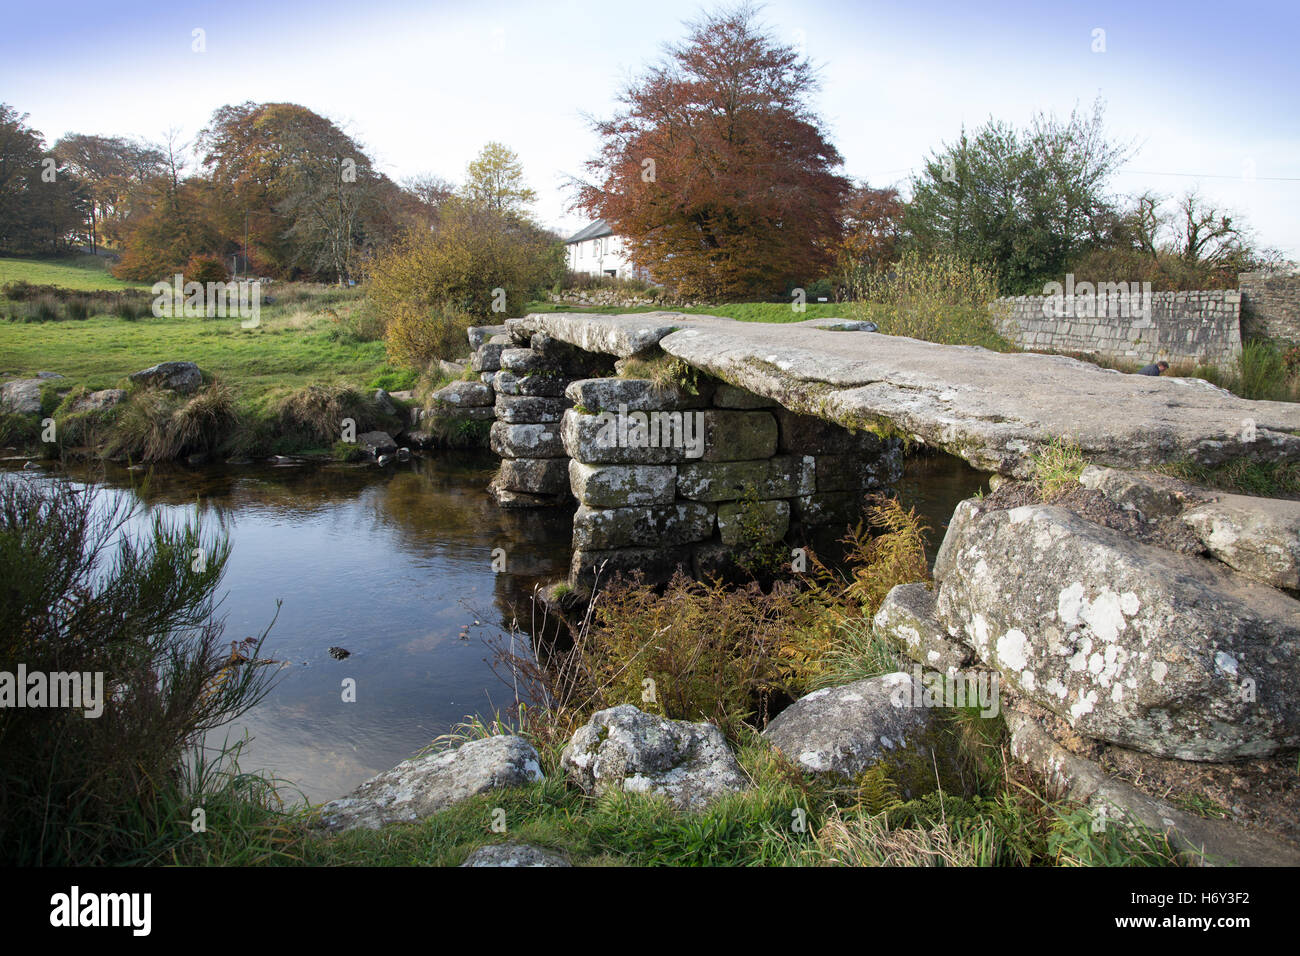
1208	91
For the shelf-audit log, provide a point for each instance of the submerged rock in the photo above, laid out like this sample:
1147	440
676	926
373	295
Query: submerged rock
416	788
623	748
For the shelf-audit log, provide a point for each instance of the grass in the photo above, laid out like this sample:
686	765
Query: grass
740	311
1264	479
83	272
1057	467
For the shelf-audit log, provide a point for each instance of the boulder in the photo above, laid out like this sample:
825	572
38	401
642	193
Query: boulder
527	361
1166	653
479	334
1257	536
374	444
384	402
514	854
909	620
183	377
21	396
623	748
97	401
842	731
421	786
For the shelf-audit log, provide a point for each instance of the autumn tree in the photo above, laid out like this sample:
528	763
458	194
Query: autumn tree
117	174
715	171
871	222
495	180
302	189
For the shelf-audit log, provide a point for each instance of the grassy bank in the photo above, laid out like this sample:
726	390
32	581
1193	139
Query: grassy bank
85	273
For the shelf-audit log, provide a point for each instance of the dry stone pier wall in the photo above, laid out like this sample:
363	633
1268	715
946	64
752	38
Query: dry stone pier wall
745	473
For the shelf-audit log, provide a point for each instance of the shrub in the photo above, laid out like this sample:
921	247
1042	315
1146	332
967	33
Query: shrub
313	416
206	269
159	425
941	298
477	263
81	597
1263	372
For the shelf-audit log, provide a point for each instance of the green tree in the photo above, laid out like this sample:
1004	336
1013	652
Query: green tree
1024	203
495	180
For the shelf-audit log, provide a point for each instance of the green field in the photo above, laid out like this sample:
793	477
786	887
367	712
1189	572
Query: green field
83	272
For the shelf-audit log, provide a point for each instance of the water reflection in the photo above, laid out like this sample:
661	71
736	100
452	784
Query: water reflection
392	565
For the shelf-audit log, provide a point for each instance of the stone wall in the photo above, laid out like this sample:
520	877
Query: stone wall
666	479
1198	327
1270	306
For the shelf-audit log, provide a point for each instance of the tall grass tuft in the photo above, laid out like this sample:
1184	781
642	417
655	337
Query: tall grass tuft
83	595
937	299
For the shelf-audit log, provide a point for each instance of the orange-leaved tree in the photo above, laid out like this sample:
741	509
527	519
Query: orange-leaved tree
716	171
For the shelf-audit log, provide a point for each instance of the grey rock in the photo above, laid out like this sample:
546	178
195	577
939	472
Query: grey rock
1151	496
97	401
727	481
728	396
479	334
514	854
637	394
183	377
738	436
842	731
599	439
529	409
539	476
1163	652
384	402
464	395
541	386
416	788
375	444
21	396
1257	536
908	620
664	526
623	748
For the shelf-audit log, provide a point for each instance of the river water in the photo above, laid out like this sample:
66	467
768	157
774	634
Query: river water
395	565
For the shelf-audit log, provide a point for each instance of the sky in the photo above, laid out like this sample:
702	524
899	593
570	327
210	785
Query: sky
1206	94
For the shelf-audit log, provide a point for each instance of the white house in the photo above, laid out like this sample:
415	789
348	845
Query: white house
597	251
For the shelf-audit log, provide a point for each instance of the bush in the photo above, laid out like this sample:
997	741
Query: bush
206	269
938	299
479	263
80	597
159	425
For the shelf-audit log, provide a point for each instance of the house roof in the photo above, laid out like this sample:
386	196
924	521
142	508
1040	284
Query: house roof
597	229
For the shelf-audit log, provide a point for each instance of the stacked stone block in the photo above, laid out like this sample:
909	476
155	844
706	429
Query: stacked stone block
659	505
1270	306
529	374
1200	327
